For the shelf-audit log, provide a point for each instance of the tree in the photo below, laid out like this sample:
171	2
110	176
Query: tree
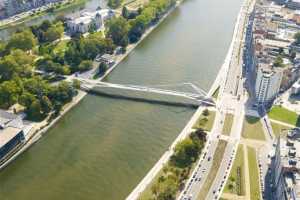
47	31
297	38
206	112
102	68
26	99
76	84
278	62
24	61
2	48
35	110
54	32
230	187
46	105
114	3
9	93
125	12
85	65
24	40
168	190
17	63
62	93
185	153
118	31
8	67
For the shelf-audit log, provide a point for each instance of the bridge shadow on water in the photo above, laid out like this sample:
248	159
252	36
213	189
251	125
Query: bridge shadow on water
144	99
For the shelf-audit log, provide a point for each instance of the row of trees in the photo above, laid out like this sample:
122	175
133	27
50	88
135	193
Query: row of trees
37	96
178	169
18	82
133	24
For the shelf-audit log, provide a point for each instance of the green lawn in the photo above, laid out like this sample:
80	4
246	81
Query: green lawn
277	128
252	128
205	122
227	124
217	159
281	114
254	176
234	181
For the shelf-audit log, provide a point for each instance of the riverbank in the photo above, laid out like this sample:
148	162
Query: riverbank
63	7
131	47
41	128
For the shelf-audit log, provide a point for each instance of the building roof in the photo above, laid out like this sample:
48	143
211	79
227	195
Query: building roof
7	134
87	17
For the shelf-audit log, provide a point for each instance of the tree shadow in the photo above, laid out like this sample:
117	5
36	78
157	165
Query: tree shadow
298	121
251	119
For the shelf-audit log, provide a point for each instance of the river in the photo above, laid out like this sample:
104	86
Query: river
90	5
103	147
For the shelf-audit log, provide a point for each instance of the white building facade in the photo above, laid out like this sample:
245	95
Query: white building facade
267	84
88	20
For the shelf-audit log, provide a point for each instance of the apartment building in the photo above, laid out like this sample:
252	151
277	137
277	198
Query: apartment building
268	80
12	7
285	167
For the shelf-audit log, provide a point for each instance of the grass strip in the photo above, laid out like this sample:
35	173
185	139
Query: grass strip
217	159
227	124
254	177
252	128
205	121
236	182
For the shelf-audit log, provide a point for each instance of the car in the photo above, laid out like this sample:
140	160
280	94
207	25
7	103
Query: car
209	158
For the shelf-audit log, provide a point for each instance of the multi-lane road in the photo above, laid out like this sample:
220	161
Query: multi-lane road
232	99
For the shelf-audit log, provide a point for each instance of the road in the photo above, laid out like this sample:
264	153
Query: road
22	15
232	99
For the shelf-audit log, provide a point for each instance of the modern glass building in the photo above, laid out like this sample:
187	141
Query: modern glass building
10	138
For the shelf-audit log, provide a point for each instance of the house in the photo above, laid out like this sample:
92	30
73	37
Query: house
88	20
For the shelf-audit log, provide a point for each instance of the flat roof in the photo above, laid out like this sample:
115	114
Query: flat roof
7	134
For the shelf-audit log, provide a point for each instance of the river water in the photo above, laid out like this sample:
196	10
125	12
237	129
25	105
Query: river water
103	147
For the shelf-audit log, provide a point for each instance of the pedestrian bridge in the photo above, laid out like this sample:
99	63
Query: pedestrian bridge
198	95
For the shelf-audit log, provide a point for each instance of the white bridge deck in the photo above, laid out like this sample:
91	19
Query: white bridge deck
199	96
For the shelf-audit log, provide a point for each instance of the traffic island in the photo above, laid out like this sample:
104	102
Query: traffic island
217	159
254	176
227	124
236	181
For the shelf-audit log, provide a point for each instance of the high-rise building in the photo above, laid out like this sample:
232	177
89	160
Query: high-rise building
268	80
285	168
